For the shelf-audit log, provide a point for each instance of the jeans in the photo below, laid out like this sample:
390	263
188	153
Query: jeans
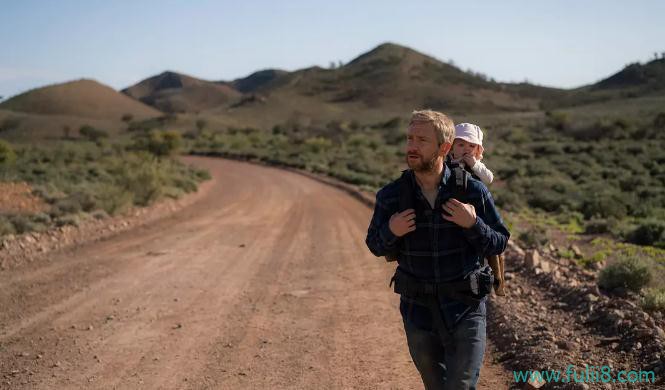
450	360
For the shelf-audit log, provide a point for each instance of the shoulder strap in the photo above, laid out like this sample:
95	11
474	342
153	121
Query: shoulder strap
406	191
405	202
461	177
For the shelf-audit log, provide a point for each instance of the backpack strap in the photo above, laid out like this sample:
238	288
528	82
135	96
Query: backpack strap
406	191
406	201
461	177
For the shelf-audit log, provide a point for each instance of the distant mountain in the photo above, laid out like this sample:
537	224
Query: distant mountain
636	77
398	77
81	98
389	78
634	81
384	82
175	92
257	80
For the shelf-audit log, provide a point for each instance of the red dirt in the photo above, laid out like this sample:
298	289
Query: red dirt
17	198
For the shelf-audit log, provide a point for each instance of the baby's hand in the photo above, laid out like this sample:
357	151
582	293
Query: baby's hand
469	160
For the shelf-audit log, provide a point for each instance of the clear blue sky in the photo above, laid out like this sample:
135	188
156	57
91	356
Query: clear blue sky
561	43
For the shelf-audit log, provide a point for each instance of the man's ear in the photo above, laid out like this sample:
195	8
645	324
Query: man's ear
444	148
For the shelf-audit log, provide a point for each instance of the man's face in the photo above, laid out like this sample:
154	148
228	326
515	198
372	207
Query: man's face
422	147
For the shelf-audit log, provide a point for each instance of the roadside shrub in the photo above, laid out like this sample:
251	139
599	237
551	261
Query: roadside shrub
9	124
99	214
659	121
604	205
654	299
558	120
23	224
92	134
72	220
41	218
202	174
6	226
648	232
114	200
631	273
600	225
66	205
141	177
7	154
159	143
534	237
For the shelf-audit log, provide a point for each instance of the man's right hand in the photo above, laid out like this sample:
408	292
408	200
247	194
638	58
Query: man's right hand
403	223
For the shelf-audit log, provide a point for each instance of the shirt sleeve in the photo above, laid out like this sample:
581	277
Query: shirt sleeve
380	239
488	234
485	175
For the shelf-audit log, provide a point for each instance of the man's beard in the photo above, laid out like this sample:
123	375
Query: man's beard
422	164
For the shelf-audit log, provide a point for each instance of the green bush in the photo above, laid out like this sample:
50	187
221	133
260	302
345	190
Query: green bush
7	154
558	120
23	224
113	199
6	226
600	225
71	220
100	214
654	299
10	123
159	143
92	134
534	237
659	121
604	205
648	232
632	273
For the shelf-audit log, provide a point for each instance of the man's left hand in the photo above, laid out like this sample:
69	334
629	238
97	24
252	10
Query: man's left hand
461	214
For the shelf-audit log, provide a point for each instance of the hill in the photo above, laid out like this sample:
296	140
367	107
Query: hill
257	80
633	81
639	78
81	98
388	79
174	92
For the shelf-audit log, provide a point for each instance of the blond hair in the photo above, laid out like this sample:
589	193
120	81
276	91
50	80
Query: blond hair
443	125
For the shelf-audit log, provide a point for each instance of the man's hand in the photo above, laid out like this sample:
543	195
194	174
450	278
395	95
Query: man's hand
461	214
402	223
469	160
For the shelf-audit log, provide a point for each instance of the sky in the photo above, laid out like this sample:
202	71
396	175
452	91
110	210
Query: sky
560	43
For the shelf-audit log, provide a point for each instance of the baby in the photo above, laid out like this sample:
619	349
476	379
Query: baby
468	149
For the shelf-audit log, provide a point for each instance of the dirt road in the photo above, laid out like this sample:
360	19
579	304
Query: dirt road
265	282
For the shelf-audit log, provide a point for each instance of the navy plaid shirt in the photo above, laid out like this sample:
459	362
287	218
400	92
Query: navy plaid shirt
438	250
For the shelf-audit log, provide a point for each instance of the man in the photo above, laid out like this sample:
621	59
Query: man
440	243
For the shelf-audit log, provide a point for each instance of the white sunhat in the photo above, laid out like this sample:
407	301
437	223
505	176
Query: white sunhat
470	133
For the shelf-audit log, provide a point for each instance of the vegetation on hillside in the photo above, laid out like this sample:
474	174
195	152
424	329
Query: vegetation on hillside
608	177
80	179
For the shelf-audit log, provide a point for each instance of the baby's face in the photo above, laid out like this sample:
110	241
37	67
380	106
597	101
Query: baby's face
462	147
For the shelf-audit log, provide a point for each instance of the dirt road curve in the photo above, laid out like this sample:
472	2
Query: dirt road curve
265	282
